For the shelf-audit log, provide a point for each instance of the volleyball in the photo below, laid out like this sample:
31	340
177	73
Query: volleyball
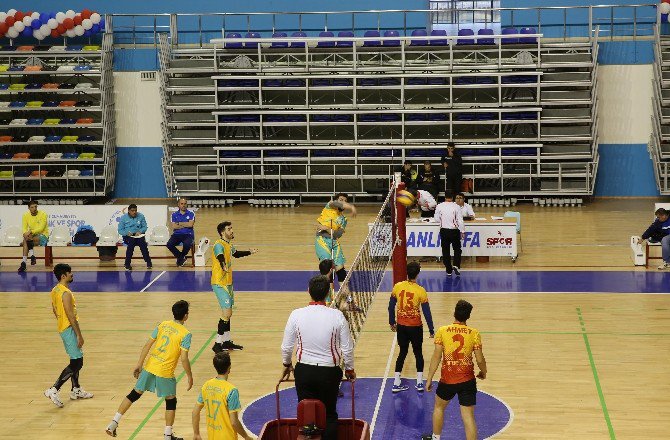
405	198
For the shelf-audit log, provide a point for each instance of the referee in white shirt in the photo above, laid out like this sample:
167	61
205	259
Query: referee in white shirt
450	217
323	342
426	203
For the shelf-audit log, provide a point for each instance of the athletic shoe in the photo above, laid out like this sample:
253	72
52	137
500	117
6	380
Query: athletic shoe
664	266
78	393
419	387
399	388
111	428
457	271
181	262
33	260
230	345
128	267
448	273
22	267
218	347
172	437
354	308
149	267
52	393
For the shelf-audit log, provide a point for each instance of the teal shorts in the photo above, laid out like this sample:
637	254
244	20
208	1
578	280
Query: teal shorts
225	295
162	386
43	239
69	338
323	245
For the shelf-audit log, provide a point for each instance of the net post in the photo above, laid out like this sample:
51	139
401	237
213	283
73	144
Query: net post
399	234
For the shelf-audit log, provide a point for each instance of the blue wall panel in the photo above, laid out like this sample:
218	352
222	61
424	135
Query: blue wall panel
625	170
139	173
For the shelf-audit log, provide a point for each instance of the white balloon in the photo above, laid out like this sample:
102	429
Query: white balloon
3	17
35	15
70	13
60	16
52	23
70	33
45	30
19	26
11	12
12	32
79	30
27	20
37	34
664	8
95	18
87	24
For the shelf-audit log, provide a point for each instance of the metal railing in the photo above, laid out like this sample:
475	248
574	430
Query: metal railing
625	21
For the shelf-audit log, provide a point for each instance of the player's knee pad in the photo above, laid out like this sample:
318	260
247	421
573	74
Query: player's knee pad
171	404
76	364
224	326
341	274
133	396
30	244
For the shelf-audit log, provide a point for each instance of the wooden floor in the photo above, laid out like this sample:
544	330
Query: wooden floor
588	366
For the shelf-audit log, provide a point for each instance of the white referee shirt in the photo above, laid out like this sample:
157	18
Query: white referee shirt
320	335
467	211
425	200
449	216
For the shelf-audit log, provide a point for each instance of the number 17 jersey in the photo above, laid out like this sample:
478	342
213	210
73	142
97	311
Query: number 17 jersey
220	398
171	338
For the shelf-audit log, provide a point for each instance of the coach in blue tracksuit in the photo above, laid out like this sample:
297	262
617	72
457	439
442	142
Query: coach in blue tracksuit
132	227
659	232
182	232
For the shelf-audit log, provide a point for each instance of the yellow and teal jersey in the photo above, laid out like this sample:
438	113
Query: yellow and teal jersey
222	276
332	216
171	338
57	303
220	398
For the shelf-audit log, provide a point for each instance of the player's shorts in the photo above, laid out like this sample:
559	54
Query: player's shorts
43	239
69	338
162	386
467	392
225	295
323	250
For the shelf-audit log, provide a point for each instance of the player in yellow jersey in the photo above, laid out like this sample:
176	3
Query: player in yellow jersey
223	253
222	402
65	309
35	228
410	298
172	341
454	346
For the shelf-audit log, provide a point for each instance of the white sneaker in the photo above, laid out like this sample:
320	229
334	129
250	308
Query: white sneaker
79	393
52	393
664	266
111	428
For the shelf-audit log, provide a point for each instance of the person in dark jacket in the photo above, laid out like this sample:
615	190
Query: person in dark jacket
659	232
453	170
429	179
408	174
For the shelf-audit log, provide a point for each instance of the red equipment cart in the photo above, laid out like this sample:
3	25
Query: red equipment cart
288	429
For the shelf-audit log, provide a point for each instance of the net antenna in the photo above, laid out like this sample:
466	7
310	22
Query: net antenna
385	240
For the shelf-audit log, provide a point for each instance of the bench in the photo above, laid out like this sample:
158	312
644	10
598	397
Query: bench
49	256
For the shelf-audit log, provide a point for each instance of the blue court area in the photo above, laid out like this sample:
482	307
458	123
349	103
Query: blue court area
296	281
405	415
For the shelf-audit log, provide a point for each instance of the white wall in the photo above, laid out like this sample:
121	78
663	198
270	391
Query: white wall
138	111
625	103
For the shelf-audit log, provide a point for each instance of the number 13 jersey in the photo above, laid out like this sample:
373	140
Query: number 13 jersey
410	296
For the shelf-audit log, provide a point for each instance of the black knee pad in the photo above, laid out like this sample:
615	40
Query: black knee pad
224	326
133	396
341	275
76	364
171	404
30	244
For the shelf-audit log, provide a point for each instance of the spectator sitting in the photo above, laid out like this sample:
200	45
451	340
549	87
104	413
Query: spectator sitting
408	174
132	227
428	179
466	209
659	232
35	227
182	232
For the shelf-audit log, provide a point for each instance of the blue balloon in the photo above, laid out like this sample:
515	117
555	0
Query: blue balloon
102	24
664	18
36	24
87	33
27	32
44	17
95	29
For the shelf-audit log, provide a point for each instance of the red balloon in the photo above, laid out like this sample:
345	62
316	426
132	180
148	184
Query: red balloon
60	29
3	28
86	14
9	21
665	1
77	20
68	23
54	33
19	16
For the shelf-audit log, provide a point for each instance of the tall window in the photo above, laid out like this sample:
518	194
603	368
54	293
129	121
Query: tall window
456	14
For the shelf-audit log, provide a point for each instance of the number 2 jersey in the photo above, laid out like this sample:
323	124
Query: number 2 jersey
171	338
220	398
458	342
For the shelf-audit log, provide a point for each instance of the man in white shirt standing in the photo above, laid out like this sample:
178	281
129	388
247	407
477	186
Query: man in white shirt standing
466	209
426	203
323	342
450	217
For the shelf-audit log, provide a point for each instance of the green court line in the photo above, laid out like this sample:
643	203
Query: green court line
601	396
162	399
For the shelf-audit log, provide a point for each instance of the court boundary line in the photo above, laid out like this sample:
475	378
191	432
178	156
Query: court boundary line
380	396
153	281
601	396
509	408
162	399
